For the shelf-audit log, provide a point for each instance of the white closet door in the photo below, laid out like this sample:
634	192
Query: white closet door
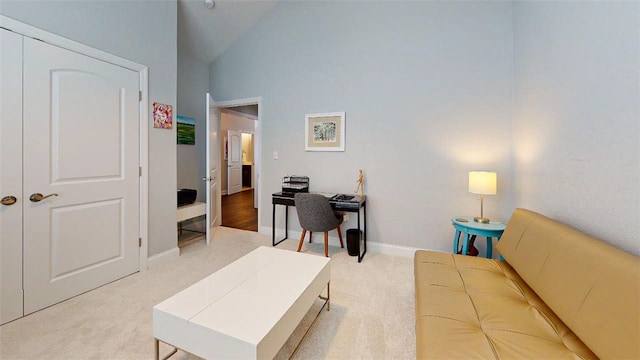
81	143
10	176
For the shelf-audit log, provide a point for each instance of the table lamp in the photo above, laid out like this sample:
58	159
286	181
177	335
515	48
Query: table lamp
482	183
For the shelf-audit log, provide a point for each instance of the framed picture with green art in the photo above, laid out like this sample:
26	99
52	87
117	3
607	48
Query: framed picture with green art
186	130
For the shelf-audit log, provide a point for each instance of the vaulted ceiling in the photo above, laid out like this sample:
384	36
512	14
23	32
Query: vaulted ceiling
206	33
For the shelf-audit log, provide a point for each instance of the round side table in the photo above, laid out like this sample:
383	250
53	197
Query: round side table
471	229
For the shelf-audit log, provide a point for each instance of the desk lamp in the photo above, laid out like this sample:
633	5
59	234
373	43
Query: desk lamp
482	183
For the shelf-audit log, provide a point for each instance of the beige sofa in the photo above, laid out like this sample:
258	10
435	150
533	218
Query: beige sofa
559	294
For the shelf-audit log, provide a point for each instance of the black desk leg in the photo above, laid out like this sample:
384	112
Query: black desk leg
364	233
273	225
364	208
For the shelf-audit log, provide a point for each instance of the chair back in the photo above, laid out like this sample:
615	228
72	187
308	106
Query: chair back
315	213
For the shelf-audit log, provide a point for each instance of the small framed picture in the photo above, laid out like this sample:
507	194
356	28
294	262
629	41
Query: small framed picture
162	116
325	131
226	149
186	130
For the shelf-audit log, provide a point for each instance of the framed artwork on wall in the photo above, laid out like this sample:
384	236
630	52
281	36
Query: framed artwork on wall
226	149
324	131
162	116
186	130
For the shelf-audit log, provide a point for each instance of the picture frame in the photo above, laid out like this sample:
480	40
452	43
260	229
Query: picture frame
226	149
186	130
325	131
162	116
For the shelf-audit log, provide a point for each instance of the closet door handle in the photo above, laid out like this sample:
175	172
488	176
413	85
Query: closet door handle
37	197
8	200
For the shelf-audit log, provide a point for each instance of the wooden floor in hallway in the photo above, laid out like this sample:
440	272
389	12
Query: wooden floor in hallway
238	211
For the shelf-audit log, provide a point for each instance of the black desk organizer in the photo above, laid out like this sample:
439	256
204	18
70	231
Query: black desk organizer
293	184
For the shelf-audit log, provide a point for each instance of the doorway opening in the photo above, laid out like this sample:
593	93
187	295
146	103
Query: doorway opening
238	211
238	126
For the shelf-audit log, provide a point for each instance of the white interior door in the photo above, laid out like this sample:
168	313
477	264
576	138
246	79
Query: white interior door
234	162
81	145
214	201
10	176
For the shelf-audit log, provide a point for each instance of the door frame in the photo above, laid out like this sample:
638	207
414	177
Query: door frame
257	145
143	73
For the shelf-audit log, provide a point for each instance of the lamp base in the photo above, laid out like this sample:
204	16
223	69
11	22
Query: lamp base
481	220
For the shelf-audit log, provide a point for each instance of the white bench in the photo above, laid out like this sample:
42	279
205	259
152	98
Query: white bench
247	310
191	211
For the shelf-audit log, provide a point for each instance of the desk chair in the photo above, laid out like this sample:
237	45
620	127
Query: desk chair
315	214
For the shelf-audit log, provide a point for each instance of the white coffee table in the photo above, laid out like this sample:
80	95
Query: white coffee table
248	309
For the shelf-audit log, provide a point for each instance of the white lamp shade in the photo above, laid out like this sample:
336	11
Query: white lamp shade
483	182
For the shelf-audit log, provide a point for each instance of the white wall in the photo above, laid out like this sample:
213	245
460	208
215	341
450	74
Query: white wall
193	84
427	91
143	32
577	118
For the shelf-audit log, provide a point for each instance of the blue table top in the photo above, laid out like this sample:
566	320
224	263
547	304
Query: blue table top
493	225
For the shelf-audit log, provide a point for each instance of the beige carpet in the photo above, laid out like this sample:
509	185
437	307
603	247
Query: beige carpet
371	317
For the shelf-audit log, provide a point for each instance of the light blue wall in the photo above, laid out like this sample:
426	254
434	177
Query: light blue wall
193	84
577	115
143	32
427	90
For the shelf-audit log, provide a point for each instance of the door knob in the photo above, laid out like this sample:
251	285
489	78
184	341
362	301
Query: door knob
37	197
8	200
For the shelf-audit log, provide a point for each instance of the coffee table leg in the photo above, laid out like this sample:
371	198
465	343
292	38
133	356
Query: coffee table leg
328	304
156	346
329	296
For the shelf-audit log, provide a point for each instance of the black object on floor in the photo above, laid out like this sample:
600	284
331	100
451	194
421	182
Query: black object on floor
353	242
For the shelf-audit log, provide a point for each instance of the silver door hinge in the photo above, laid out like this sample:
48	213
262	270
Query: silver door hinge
139	95
139	242
140	171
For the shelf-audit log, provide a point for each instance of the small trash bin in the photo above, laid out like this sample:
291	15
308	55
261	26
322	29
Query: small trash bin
353	242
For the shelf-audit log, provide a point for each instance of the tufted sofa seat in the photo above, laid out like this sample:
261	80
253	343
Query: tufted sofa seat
560	294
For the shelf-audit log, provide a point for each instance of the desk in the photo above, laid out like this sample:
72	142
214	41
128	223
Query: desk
287	199
473	229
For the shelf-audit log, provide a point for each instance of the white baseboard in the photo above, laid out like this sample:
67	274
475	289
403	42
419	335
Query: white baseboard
389	249
376	247
162	258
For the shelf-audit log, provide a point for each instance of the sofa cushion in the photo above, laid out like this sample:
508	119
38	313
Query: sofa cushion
592	286
469	307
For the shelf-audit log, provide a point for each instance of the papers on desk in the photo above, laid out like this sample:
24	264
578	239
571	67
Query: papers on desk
343	197
338	197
